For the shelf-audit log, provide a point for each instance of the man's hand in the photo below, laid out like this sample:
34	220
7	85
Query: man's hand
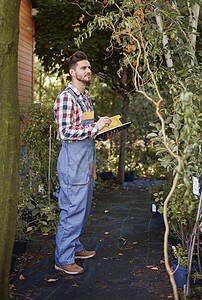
103	122
112	134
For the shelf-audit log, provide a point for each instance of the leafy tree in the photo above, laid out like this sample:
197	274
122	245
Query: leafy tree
9	142
46	85
54	44
158	43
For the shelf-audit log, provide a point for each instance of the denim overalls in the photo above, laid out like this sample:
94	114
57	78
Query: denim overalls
76	163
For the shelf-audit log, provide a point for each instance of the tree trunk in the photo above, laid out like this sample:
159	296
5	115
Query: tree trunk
168	57
9	141
193	23
122	153
121	169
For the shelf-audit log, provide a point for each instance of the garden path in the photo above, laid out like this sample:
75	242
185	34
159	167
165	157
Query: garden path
128	240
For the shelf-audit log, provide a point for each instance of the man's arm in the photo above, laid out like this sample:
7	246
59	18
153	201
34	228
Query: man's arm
68	120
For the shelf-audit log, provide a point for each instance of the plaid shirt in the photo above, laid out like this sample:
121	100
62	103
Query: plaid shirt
69	115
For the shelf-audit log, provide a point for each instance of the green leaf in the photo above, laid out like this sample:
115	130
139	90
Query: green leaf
150	135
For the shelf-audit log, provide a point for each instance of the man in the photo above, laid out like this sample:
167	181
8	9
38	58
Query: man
76	163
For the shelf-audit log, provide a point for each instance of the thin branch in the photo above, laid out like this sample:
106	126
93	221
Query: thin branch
83	9
175	181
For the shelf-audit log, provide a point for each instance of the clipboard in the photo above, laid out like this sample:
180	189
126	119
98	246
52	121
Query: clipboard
102	135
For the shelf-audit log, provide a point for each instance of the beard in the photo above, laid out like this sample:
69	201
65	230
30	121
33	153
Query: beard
84	79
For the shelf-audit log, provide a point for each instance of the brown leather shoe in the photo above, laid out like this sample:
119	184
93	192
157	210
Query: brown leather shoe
84	254
72	269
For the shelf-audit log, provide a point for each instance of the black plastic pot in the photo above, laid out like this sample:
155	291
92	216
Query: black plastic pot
19	248
129	176
106	175
180	275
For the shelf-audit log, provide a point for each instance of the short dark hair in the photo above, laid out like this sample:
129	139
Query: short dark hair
74	58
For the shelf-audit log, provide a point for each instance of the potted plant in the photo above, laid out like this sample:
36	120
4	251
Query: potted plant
180	267
129	176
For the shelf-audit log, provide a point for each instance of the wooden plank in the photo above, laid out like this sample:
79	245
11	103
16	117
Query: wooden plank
22	52
25	4
25	77
25	53
26	18
23	57
25	11
25	74
26	44
26	34
24	91
27	81
26	21
23	30
26	50
26	69
26	40
25	86
26	15
23	66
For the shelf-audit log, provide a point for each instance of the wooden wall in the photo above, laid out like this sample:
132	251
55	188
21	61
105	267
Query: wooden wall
26	53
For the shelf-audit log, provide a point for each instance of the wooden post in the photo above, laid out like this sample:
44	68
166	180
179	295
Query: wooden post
49	166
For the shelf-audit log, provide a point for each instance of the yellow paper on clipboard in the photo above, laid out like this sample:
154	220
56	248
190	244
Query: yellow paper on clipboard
116	124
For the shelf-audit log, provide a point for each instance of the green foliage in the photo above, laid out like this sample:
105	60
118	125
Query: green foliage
106	101
46	85
54	44
181	255
35	210
140	155
36	136
183	127
177	137
141	159
181	222
117	29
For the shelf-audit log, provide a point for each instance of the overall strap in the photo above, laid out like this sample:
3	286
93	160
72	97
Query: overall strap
79	101
91	106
